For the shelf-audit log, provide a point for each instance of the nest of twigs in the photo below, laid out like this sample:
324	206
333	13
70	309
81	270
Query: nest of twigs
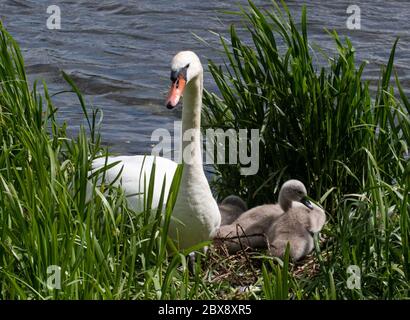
243	269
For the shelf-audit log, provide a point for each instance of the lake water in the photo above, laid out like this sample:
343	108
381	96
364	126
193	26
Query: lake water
119	52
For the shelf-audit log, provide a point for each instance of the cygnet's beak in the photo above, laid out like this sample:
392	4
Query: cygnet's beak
176	91
307	203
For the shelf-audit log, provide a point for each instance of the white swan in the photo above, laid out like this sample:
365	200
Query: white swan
196	216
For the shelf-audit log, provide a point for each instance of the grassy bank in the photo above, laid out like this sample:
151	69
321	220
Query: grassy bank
103	249
322	126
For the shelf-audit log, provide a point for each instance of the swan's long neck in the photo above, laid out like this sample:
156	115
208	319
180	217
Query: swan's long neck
284	202
195	206
191	123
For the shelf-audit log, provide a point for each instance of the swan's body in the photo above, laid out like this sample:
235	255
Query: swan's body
132	177
296	227
250	228
231	208
196	216
301	219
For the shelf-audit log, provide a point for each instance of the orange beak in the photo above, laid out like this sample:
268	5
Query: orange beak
176	92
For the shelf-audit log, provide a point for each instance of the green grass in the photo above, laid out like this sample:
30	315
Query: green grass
321	125
104	250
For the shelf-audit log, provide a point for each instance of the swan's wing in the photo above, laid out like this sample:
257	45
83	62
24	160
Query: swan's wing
129	174
317	219
312	219
300	246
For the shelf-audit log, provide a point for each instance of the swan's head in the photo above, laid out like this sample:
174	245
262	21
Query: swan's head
294	190
185	66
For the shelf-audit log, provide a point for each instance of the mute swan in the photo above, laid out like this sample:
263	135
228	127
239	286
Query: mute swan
196	216
231	208
297	225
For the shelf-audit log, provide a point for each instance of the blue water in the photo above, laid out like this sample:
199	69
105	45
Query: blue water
118	52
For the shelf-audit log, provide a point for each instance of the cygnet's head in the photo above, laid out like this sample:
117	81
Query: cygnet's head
185	66
294	190
235	201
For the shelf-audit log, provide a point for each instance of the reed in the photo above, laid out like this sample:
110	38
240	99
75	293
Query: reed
104	250
323	126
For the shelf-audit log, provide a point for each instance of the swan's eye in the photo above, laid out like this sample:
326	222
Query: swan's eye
174	76
180	73
187	66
